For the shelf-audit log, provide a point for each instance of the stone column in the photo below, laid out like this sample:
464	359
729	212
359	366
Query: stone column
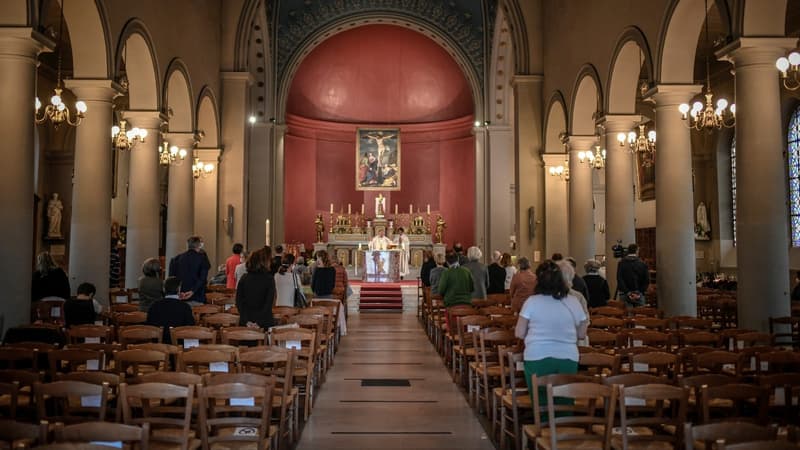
90	229
556	205
529	174
481	195
675	259
501	194
206	212
581	213
619	191
180	197
761	211
143	197
261	189
278	234
18	50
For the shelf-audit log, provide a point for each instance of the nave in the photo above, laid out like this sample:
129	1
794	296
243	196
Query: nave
353	411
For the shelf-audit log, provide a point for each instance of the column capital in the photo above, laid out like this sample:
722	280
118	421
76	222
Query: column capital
246	77
554	159
182	139
94	90
579	143
750	51
151	120
208	154
526	79
23	42
615	123
674	94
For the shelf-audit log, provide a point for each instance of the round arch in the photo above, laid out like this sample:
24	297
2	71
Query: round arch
519	35
500	98
178	97
136	53
207	118
555	123
630	54
89	37
586	101
395	19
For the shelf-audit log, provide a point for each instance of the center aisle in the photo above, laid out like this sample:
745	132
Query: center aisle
425	410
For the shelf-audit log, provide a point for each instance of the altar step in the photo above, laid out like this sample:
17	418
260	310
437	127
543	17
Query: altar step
381	296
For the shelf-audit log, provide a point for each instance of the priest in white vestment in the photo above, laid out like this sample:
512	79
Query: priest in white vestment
380	241
402	242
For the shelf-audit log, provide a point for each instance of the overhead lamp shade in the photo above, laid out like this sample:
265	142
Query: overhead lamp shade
173	150
631	137
208	168
182	153
651	135
61	107
55	100
733	109
621	138
697	106
114	131
38	104
722	103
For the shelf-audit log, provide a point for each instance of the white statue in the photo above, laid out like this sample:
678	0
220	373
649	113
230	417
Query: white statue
380	205
702	229
54	208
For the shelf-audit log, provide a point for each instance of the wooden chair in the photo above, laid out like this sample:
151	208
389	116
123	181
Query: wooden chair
656	363
89	334
280	313
507	322
176	378
598	364
14	434
303	378
201	361
753	338
201	311
538	389
582	412
687	355
192	336
464	351
123	308
99	378
227	409
119	296
705	436
759	445
129	318
718	361
516	400
701	338
166	407
648	323
19	358
784	396
9	399
487	367
608	311
69	360
639	338
134	362
316	324
48	311
71	401
605	341
734	402
220	320
691	323
139	334
239	337
663	424
276	362
778	362
111	434
168	349
785	330
645	311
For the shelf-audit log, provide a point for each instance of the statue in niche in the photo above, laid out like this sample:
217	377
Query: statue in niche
380	205
440	226
54	208
702	228
319	224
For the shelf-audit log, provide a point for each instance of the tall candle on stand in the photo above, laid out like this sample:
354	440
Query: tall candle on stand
411	208
362	209
429	209
349	211
395	209
266	233
331	208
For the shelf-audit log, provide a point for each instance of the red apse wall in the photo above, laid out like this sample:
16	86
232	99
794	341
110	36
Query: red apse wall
387	76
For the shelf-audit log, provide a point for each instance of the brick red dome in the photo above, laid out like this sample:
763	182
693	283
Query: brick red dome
379	74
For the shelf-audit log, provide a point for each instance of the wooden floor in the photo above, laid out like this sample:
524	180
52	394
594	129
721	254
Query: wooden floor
429	412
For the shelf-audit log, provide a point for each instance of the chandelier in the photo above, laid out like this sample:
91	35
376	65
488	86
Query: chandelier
199	169
123	139
596	159
790	66
708	117
561	171
57	112
171	154
643	144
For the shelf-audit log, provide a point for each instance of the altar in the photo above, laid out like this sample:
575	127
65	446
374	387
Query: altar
380	266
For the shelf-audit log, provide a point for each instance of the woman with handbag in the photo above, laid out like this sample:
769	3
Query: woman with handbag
255	293
286	282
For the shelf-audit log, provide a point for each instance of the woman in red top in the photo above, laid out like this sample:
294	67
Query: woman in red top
230	265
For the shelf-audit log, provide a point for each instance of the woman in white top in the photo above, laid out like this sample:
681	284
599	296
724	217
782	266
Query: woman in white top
285	281
511	270
551	322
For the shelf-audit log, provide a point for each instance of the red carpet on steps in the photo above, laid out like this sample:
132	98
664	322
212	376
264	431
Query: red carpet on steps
381	296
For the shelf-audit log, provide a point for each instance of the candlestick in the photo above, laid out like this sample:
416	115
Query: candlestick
362	209
331	208
429	208
411	208
395	209
266	233
349	211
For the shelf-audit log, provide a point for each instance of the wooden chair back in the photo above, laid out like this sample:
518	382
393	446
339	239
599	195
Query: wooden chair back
19	358
608	311
129	318
135	362
89	334
70	360
584	412
656	363
598	364
111	434
718	361
740	402
227	410
192	336
220	320
139	334
654	414
14	434
71	401
201	361
166	407
176	378
729	432
239	337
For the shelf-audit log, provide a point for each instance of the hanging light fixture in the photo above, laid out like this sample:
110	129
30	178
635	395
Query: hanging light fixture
596	160
708	117
642	143
790	70
171	155
124	139
563	170
57	112
200	169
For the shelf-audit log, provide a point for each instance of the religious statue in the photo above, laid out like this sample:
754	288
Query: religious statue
320	227
702	229
54	208
380	205
440	226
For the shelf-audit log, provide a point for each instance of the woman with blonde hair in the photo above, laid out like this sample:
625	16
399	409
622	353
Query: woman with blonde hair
49	280
480	274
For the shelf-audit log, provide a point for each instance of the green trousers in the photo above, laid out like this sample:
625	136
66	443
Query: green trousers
549	366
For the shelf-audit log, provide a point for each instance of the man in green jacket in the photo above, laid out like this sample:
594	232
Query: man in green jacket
455	285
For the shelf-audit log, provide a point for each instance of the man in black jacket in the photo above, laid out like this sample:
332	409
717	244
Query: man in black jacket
633	277
170	311
191	267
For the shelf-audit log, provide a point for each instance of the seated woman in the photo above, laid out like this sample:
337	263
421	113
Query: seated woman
49	280
151	289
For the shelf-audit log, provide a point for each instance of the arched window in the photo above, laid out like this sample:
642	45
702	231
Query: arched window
733	189
794	177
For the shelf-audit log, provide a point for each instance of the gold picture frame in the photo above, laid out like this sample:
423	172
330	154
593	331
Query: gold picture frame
378	159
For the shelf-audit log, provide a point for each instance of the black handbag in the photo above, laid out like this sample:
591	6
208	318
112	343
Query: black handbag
300	300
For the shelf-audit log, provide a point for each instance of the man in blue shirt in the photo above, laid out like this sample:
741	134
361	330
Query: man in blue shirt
191	267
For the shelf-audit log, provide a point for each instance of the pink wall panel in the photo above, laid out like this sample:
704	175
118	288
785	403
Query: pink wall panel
419	176
457	190
299	195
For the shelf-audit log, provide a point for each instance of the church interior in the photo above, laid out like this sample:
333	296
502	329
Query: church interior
388	147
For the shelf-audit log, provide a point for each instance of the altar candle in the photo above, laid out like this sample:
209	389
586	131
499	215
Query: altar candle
349	211
331	208
395	209
266	233
411	208
429	208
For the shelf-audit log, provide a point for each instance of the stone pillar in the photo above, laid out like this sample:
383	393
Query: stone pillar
180	197
619	219
501	215
581	212
277	235
761	211
481	194
675	258
206	211
556	205
261	187
18	50
143	197
90	229
529	174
